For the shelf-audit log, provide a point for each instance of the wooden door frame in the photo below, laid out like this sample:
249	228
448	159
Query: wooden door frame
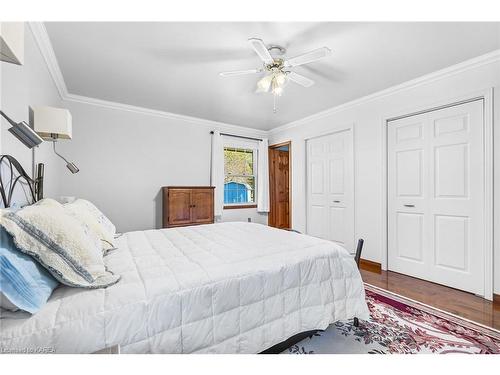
487	96
289	144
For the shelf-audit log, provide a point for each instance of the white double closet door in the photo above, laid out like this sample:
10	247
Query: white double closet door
436	196
330	188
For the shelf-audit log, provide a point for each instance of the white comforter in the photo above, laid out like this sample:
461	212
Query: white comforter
219	288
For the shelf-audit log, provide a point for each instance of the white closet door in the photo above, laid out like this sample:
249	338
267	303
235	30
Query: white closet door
330	188
436	196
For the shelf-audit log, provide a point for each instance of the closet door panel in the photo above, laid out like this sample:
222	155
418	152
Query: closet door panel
436	196
330	188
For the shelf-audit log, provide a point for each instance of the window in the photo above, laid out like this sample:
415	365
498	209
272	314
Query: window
239	176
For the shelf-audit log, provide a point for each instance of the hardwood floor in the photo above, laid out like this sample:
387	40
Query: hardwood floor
448	299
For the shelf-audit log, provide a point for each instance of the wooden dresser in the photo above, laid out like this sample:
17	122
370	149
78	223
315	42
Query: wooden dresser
187	205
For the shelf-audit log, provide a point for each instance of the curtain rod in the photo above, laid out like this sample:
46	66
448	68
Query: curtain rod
238	136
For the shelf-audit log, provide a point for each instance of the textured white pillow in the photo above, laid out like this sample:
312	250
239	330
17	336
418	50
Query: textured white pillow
61	243
84	213
107	225
49	202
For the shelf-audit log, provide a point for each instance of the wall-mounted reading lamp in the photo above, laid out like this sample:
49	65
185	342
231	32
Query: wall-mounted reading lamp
52	124
23	132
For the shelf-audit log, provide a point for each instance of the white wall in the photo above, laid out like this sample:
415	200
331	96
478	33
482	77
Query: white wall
244	214
126	157
367	119
20	87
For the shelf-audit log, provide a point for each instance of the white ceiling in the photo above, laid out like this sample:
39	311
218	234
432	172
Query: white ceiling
174	67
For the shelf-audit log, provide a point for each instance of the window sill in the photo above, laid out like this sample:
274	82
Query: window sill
239	206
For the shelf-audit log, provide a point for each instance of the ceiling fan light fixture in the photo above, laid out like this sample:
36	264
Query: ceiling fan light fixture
280	78
277	68
273	82
264	84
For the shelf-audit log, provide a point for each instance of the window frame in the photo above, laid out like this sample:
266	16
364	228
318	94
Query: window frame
247	146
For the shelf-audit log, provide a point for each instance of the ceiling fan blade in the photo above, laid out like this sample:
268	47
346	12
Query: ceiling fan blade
260	49
308	57
239	72
300	79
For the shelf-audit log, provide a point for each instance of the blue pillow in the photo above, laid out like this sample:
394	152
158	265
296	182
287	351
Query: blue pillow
23	282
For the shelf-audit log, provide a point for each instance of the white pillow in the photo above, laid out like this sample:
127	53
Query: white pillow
84	213
49	202
107	225
61	243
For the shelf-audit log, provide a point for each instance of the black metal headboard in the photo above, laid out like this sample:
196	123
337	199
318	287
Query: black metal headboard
16	174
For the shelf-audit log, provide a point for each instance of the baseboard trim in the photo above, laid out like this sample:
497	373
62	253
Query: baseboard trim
369	265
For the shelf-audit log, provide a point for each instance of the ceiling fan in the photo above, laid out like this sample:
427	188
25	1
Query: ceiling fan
277	67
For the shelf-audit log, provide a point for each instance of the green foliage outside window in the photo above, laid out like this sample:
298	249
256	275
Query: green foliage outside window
239	168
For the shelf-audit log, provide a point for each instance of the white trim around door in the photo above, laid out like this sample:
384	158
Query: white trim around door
487	98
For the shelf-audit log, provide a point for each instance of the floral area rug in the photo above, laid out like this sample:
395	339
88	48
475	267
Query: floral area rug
401	326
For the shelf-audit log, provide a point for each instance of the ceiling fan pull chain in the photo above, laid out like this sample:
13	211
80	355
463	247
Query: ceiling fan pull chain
275	108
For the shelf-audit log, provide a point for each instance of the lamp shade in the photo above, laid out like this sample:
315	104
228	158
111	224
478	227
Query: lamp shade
12	42
51	122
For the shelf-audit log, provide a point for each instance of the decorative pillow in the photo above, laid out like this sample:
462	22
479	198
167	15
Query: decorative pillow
60	243
82	212
49	202
100	217
24	284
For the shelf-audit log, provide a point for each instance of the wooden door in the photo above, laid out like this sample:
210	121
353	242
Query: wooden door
279	188
436	196
179	207
330	188
202	206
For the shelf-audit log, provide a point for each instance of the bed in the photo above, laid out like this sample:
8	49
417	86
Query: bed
216	288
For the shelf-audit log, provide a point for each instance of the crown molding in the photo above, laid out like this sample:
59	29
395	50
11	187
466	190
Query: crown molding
43	41
473	63
213	125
